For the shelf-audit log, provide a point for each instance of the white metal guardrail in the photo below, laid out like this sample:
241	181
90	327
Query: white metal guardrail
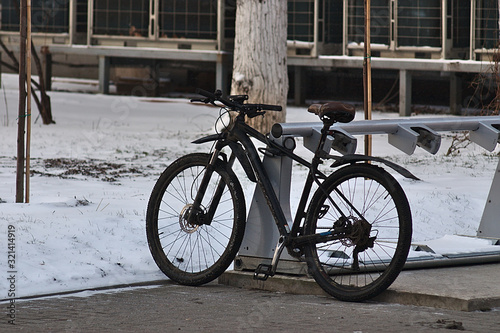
405	134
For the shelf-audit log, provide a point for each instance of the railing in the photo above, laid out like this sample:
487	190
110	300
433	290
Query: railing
261	235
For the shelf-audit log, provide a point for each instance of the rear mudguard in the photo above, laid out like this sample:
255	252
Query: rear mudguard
354	158
237	151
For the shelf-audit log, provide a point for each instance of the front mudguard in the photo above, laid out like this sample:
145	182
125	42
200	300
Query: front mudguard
355	158
208	138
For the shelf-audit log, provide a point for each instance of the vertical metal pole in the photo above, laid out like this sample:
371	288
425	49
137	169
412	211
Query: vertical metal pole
72	21
314	51
221	65
104	63
220	74
345	28
472	29
28	102
405	87
455	94
395	27
367	75
392	24
444	29
153	31
297	85
152	20
220	26
90	21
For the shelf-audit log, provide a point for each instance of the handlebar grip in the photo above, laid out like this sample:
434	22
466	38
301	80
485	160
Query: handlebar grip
271	107
206	93
214	97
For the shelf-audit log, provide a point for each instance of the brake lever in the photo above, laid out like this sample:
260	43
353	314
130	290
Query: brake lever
254	114
206	100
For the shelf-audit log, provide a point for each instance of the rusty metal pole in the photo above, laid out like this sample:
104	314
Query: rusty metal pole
367	75
28	102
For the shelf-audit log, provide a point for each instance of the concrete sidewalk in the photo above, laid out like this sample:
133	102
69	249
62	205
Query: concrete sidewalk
463	288
166	307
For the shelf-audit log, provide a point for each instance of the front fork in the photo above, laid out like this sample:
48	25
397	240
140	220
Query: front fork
197	216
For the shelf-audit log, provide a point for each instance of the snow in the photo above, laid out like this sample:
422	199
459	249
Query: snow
85	230
452	244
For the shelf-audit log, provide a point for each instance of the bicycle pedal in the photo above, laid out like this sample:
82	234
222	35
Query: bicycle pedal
262	272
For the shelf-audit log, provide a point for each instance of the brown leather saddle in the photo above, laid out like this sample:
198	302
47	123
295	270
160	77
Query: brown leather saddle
333	111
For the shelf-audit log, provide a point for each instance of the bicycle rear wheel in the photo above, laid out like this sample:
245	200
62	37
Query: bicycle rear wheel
188	253
373	236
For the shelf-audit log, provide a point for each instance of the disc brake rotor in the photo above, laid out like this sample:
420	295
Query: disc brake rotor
183	220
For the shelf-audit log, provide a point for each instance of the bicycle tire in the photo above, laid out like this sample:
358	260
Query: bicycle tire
383	204
192	254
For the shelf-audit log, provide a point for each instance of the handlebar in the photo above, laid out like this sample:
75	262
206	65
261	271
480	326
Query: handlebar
236	103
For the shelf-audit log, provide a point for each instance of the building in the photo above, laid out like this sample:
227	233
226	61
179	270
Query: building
189	42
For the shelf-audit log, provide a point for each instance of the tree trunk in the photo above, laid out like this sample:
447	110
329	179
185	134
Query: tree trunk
44	107
260	57
22	105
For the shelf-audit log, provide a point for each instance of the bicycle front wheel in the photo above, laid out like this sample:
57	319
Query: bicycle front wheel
193	254
371	238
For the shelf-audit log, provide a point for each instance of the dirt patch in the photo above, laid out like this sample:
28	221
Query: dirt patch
74	168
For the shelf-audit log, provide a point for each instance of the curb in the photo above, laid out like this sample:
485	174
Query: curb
416	287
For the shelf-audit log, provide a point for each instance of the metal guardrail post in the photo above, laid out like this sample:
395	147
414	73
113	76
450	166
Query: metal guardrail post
490	221
261	235
104	67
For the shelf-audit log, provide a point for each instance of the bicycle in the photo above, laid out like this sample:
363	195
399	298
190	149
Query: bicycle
354	232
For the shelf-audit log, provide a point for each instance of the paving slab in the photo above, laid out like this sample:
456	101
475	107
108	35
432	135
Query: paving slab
168	307
463	288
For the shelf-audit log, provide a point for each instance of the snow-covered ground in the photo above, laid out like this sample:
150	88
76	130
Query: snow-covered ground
93	172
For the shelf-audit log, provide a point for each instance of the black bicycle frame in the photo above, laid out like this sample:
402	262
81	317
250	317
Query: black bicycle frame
239	141
240	135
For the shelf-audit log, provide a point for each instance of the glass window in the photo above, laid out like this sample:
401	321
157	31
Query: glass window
334	21
188	19
81	16
46	16
380	21
461	23
229	19
121	17
487	24
419	23
300	20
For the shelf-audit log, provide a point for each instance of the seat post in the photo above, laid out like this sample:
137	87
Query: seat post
320	153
